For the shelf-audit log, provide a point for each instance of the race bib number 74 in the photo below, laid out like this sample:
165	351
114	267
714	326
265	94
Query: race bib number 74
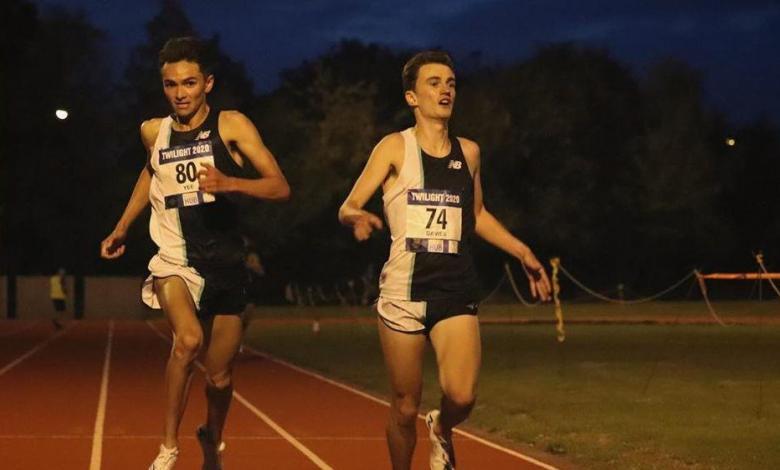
433	220
178	173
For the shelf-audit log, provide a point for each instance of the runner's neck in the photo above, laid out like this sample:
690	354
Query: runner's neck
192	122
433	137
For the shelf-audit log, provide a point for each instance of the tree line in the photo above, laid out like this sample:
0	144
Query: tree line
629	179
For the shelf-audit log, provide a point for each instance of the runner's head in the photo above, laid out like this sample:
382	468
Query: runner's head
429	84
186	74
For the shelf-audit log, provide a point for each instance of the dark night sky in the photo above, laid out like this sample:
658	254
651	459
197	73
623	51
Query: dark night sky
733	43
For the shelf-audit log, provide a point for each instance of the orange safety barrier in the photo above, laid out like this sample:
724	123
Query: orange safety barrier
745	276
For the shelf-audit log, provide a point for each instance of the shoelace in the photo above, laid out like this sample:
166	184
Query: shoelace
167	455
446	449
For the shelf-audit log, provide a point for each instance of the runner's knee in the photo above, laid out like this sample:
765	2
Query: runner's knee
462	398
187	345
219	379
405	409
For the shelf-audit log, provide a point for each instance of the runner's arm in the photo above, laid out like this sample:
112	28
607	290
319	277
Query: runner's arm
375	173
113	245
238	130
493	232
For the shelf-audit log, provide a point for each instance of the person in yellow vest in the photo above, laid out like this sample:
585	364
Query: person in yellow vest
57	293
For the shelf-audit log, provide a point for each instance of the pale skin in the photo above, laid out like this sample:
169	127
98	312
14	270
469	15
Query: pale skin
456	340
186	88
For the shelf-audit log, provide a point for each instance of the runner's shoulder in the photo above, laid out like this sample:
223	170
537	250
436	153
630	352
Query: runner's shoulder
470	151
233	124
470	148
232	119
149	130
390	148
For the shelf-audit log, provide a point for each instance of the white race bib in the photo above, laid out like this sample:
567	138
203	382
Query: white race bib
178	173
433	220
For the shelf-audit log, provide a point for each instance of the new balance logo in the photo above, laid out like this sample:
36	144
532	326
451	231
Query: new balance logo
455	165
205	135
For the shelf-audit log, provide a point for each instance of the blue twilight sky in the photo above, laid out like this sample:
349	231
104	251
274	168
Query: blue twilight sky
733	43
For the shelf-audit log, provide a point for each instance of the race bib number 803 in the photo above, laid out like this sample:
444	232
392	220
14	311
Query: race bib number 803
433	220
178	173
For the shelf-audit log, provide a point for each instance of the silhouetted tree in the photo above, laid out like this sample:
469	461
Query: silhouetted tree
558	135
679	191
59	165
752	178
326	117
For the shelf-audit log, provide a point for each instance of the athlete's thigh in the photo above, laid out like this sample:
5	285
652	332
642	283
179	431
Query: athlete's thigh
456	342
177	303
403	353
224	335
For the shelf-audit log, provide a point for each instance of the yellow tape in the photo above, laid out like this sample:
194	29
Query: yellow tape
555	263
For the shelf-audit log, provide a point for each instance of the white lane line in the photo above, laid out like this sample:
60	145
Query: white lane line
267	420
130	437
32	351
100	419
287	436
385	403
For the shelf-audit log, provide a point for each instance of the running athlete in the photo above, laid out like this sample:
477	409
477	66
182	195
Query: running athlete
428	286
192	179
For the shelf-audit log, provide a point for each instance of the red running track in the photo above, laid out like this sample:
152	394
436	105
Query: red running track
90	397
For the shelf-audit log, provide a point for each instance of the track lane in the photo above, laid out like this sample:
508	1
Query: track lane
48	402
133	428
18	338
347	428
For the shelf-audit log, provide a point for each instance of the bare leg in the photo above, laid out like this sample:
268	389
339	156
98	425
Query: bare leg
403	354
458	349
178	306
224	340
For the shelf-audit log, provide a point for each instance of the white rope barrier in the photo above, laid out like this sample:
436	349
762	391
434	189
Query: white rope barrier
623	301
515	289
703	288
495	289
760	260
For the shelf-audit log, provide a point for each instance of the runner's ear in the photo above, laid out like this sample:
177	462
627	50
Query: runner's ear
411	98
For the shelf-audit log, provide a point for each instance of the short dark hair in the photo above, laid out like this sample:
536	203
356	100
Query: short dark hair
412	67
187	48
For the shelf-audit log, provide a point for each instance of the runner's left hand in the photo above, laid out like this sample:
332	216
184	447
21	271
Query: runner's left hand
212	180
537	277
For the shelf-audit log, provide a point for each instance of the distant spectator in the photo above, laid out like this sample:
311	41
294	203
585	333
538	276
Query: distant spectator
57	293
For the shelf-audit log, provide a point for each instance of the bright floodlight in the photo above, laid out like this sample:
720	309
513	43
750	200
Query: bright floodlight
731	142
61	114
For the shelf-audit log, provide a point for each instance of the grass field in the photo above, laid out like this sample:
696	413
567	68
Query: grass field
612	396
667	311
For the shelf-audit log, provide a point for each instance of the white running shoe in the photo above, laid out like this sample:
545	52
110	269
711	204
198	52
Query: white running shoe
212	454
442	453
166	459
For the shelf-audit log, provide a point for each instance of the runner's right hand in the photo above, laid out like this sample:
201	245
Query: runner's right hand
114	245
365	224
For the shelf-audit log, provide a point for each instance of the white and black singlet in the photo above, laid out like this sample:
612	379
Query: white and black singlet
430	211
196	232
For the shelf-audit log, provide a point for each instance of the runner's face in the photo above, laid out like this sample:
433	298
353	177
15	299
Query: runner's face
185	87
434	91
